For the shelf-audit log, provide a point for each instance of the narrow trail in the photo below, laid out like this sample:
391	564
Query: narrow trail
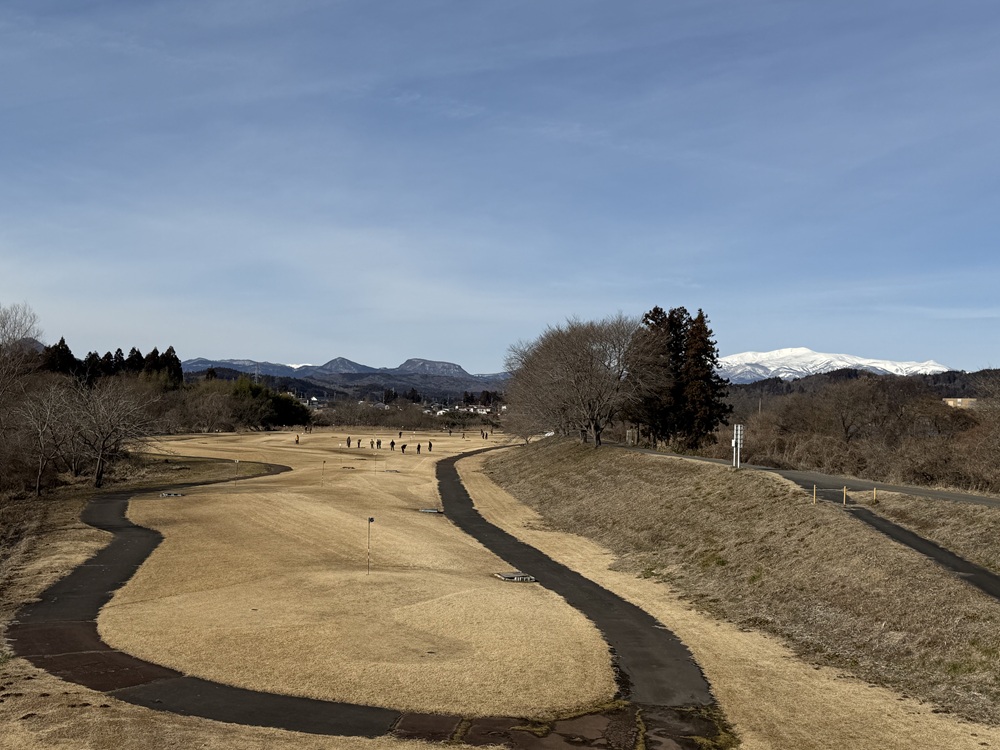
658	679
659	668
830	489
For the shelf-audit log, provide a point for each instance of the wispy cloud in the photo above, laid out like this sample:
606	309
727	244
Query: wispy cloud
456	176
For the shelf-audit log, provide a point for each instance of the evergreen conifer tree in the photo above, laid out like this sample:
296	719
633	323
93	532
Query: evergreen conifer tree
681	398
134	361
151	363
170	363
92	368
657	363
59	358
705	391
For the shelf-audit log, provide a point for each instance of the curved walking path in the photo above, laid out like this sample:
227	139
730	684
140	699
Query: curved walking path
659	668
830	488
656	673
59	634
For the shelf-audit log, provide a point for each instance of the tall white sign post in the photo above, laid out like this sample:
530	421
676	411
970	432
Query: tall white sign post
737	444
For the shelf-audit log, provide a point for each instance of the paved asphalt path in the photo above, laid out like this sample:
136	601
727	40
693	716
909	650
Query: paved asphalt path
653	665
58	633
831	488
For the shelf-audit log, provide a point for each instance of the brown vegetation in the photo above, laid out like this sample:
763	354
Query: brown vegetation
272	576
970	531
752	549
44	540
880	427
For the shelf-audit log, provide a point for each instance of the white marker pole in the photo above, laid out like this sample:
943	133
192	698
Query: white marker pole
370	522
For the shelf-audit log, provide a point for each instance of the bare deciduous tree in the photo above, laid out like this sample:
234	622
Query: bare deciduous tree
106	418
18	327
43	416
573	377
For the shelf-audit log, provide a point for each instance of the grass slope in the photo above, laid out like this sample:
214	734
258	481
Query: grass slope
751	548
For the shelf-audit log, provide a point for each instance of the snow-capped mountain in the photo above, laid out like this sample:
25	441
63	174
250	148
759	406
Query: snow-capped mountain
790	364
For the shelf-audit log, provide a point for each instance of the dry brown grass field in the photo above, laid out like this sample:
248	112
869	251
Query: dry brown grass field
753	554
971	531
40	712
264	583
265	586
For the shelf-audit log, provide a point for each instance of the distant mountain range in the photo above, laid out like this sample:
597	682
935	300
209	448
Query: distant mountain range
791	364
432	379
447	377
338	366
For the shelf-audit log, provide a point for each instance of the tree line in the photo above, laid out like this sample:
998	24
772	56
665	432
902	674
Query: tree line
657	373
880	427
63	418
657	378
59	358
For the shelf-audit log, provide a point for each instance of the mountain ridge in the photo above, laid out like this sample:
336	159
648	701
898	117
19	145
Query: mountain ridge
341	366
799	362
791	363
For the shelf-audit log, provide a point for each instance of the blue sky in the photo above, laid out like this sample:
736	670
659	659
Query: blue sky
295	181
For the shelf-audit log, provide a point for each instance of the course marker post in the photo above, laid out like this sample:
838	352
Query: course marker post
814	494
737	444
845	495
370	522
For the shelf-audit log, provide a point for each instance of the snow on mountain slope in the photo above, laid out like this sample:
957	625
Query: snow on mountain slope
790	364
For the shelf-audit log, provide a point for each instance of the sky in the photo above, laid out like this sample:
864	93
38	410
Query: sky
300	180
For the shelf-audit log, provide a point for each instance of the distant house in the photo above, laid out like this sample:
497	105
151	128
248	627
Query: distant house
960	403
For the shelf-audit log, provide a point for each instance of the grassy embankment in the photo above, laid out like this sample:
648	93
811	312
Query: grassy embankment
751	548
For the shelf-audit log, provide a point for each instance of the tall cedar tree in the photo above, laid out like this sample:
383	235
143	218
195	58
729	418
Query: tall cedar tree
681	397
657	363
170	364
134	361
151	362
59	358
705	391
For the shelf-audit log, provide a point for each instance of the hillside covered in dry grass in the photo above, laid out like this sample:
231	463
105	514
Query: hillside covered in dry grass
752	548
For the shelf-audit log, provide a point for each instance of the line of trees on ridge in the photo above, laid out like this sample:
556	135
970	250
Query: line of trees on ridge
65	417
657	373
